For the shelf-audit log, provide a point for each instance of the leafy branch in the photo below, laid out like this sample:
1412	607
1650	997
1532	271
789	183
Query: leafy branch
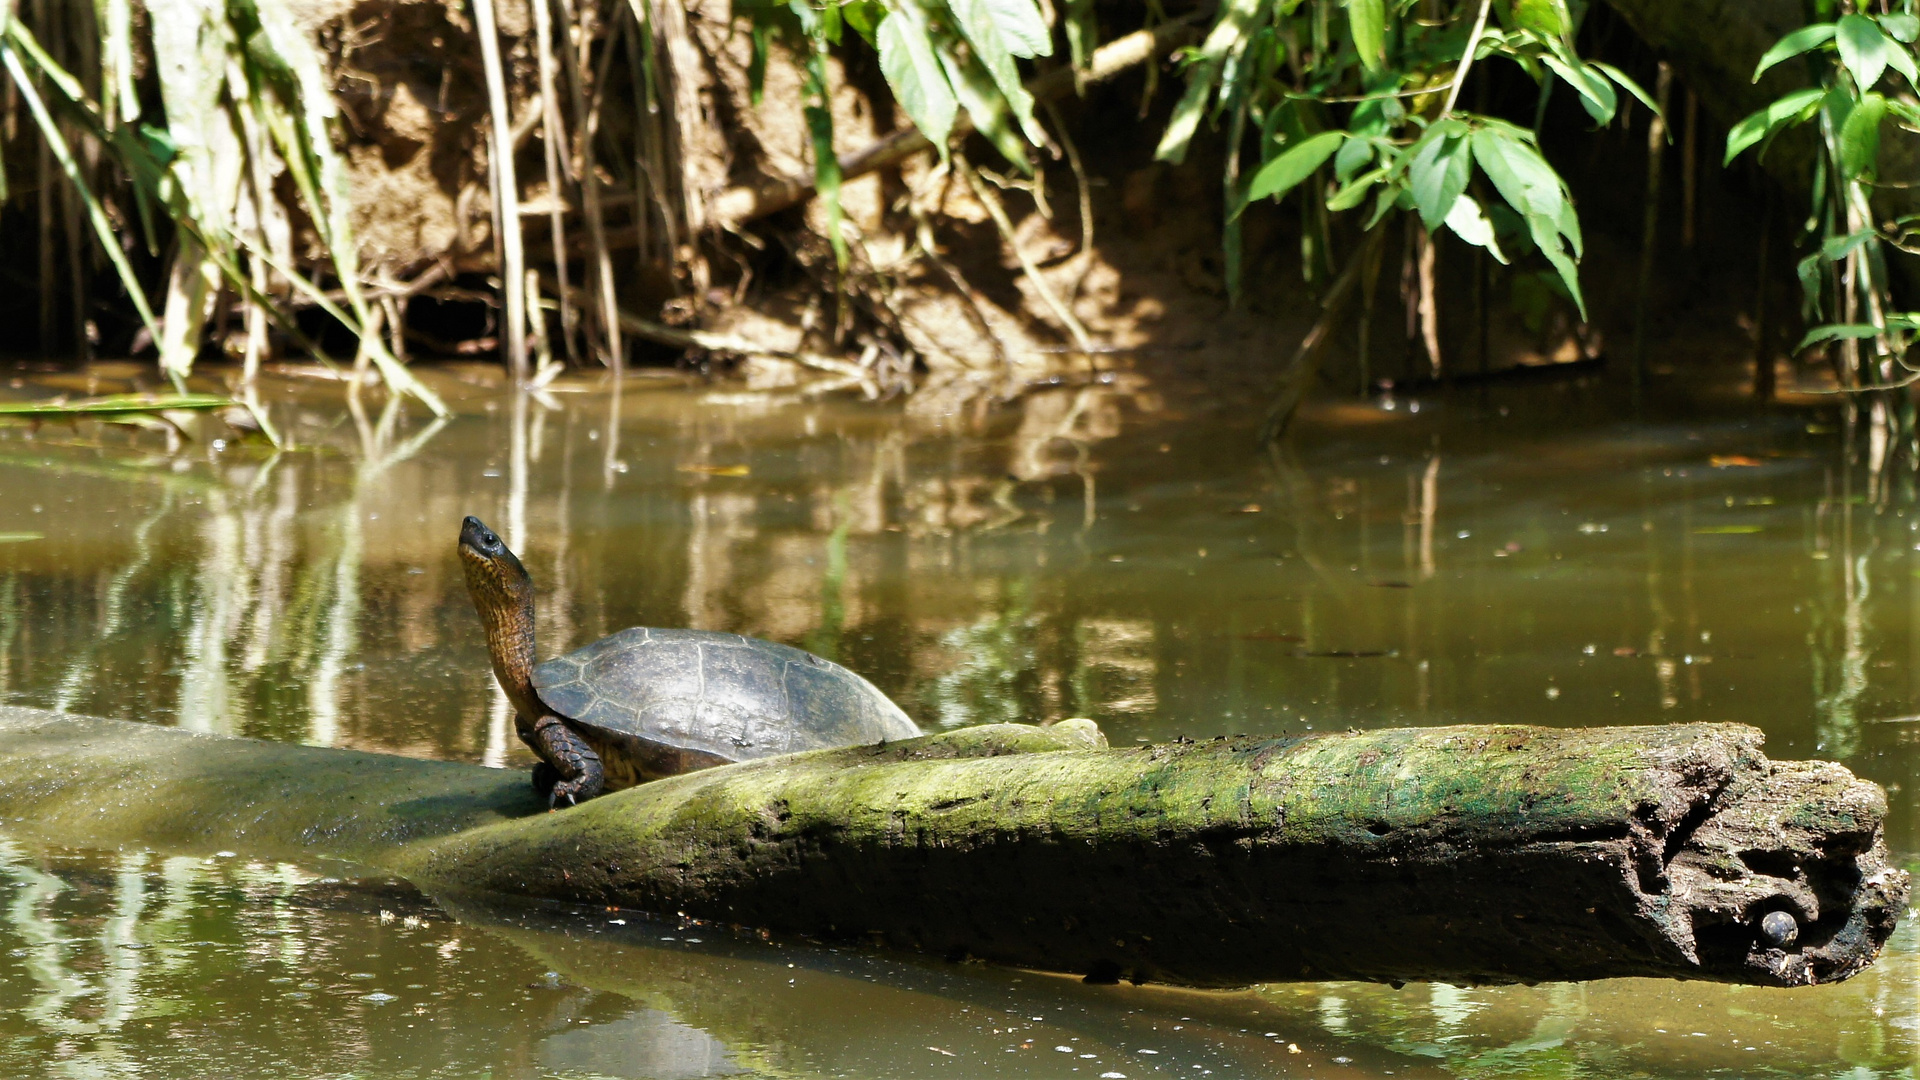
1844	279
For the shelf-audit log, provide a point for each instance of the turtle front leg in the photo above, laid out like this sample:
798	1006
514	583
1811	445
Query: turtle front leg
568	755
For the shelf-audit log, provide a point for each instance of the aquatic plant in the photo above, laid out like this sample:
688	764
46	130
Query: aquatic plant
1848	292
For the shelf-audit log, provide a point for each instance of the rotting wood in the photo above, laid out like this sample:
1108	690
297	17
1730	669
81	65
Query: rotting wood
1465	854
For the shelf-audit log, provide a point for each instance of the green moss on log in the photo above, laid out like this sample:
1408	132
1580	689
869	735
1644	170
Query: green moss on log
1488	854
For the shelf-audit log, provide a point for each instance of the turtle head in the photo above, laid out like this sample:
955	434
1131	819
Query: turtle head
502	593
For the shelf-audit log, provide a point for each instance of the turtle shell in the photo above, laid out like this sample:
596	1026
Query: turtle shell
672	700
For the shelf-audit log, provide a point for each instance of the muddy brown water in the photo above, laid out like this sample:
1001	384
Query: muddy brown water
1114	550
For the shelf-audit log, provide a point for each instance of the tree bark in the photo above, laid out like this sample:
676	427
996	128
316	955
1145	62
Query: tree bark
1465	854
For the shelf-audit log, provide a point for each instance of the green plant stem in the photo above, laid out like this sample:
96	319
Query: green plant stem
506	193
1466	58
981	191
102	228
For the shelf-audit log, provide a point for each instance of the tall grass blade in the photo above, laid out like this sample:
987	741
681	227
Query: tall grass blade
552	136
506	192
57	145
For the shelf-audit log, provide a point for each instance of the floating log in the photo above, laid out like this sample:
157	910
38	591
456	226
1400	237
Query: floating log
1464	854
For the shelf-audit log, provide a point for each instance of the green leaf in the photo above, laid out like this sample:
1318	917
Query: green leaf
1294	165
1860	136
1441	164
1808	270
913	72
865	17
1542	231
978	21
57	144
1863	48
1547	18
758	40
1356	189
1839	247
1383	204
116	405
1186	116
1353	154
60	77
1794	108
1367	21
1805	39
1906	113
826	161
1904	28
1625	82
1596	94
1529	185
1568	222
1083	32
1470	223
826	176
1228	34
982	100
1518	172
1901	60
1021	26
1836	332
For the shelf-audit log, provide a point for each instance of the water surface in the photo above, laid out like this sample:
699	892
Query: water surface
1114	549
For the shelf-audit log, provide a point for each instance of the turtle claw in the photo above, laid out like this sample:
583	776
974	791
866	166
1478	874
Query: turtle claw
569	766
545	779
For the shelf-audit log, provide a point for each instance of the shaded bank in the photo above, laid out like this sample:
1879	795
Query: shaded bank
1487	854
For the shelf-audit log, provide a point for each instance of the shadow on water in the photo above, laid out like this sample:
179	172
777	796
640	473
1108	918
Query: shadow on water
1112	550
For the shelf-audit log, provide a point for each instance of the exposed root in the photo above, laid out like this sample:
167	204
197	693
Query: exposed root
991	200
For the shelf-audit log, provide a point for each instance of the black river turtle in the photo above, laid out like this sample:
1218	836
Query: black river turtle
646	703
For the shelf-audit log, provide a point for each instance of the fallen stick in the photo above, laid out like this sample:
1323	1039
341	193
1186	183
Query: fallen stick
1464	854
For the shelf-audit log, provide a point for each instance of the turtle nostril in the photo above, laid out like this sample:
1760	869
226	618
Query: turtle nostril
1779	929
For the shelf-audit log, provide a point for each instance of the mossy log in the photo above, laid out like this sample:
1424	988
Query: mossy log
1465	854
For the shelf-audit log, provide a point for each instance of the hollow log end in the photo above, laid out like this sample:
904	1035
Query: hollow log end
1786	881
